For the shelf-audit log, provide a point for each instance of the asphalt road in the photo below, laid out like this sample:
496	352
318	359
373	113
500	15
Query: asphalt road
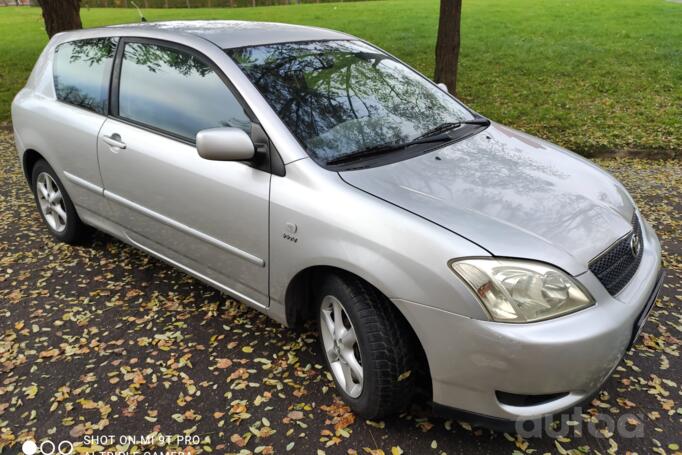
103	340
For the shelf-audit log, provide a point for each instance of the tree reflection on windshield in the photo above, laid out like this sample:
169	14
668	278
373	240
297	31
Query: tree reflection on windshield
341	96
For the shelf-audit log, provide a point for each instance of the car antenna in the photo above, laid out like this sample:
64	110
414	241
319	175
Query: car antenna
139	11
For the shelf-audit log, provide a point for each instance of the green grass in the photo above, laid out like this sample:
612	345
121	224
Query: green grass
591	75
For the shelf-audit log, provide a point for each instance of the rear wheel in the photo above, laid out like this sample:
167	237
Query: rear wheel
55	205
366	344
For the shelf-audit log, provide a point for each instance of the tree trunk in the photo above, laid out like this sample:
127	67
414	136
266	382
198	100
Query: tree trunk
447	45
61	15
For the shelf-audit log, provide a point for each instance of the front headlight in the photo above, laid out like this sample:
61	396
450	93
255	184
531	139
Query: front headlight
522	291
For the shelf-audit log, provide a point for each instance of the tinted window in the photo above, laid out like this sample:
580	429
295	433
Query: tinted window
337	97
176	92
82	71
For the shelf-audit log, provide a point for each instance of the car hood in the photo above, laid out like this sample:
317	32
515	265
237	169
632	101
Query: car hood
512	194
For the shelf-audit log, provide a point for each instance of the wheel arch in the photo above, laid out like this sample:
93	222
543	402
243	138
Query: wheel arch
299	309
29	158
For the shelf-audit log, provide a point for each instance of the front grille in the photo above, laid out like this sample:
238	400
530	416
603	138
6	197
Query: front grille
615	267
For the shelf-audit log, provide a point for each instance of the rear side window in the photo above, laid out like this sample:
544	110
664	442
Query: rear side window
176	92
82	70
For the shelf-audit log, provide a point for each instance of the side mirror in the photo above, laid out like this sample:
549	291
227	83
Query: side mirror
443	87
225	144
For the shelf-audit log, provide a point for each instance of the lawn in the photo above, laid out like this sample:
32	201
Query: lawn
591	75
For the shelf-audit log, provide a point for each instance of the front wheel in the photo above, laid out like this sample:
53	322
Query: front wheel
366	344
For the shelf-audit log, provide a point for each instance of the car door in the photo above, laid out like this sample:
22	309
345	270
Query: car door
208	217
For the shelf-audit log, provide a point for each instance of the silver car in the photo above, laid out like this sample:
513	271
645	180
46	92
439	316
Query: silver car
313	176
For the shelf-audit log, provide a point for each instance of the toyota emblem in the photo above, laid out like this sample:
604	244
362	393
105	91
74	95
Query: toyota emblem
635	244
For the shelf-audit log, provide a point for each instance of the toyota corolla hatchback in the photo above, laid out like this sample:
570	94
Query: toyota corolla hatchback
312	175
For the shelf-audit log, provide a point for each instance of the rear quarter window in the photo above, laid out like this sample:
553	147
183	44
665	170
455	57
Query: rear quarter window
82	71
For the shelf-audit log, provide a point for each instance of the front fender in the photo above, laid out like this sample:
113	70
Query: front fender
316	219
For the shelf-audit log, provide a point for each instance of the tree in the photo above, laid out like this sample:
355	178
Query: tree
61	15
447	44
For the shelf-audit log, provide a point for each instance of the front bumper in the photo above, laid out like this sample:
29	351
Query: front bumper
567	358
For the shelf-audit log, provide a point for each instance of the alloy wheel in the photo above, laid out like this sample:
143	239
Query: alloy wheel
51	202
341	346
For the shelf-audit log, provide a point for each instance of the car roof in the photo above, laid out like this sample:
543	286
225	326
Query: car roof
230	34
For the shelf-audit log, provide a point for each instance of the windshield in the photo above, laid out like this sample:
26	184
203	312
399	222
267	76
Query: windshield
338	97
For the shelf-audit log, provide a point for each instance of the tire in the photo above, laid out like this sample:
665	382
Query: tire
68	228
383	342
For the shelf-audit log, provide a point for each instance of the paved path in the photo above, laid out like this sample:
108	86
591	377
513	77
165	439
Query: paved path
103	340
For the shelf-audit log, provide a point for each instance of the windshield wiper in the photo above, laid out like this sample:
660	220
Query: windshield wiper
447	126
437	134
443	127
388	147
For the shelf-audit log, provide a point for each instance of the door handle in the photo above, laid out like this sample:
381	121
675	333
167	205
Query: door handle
114	140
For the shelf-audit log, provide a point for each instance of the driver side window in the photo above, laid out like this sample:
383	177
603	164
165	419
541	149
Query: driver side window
176	92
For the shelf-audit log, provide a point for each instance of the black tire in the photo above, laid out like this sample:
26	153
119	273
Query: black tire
75	231
385	343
